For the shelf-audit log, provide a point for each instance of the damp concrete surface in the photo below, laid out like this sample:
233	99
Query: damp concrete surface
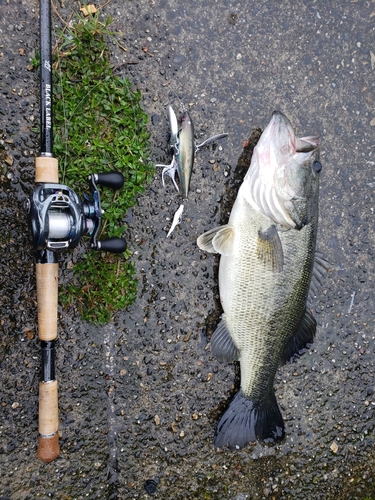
139	398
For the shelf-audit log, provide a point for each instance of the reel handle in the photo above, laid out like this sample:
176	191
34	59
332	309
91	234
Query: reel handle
113	245
113	180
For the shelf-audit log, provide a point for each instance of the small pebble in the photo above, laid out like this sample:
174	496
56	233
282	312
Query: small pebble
9	160
151	485
334	447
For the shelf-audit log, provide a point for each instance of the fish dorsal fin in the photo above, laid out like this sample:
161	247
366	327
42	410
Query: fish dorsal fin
320	269
304	335
217	240
222	345
270	249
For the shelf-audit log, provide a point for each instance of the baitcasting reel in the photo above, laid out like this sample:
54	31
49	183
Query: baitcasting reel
58	218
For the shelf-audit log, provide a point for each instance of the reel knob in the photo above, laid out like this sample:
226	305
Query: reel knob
113	180
113	245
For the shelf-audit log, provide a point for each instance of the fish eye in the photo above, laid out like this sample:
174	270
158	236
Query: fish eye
317	166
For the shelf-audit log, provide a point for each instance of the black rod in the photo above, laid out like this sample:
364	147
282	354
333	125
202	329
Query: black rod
48	360
46	141
46	257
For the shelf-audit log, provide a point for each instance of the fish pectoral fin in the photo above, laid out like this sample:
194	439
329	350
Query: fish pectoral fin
223	240
222	345
204	241
304	335
270	249
217	240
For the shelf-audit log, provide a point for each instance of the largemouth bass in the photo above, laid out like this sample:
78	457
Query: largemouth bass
266	267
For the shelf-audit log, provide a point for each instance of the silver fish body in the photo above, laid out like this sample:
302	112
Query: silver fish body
184	149
266	266
185	154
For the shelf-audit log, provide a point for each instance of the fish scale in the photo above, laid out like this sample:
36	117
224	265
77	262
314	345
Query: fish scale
260	299
266	267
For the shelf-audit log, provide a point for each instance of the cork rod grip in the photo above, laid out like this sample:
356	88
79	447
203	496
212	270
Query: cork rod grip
47	296
48	446
46	169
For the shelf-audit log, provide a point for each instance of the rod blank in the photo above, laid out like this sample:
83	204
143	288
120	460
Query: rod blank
46	139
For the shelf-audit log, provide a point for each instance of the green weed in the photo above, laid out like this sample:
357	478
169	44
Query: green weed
99	126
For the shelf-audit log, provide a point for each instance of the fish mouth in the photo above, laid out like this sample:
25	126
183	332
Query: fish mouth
269	174
283	136
307	144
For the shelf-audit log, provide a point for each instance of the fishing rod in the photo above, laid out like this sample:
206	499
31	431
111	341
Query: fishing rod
58	218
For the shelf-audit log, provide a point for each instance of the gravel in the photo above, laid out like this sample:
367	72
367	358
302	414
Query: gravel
139	398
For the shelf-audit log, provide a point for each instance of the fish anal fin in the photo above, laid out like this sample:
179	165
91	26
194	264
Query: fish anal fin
222	345
269	248
217	240
304	335
319	272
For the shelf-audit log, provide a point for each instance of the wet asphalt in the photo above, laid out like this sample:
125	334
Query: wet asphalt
139	398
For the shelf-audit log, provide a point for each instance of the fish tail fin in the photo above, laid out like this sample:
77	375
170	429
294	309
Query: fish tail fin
246	421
